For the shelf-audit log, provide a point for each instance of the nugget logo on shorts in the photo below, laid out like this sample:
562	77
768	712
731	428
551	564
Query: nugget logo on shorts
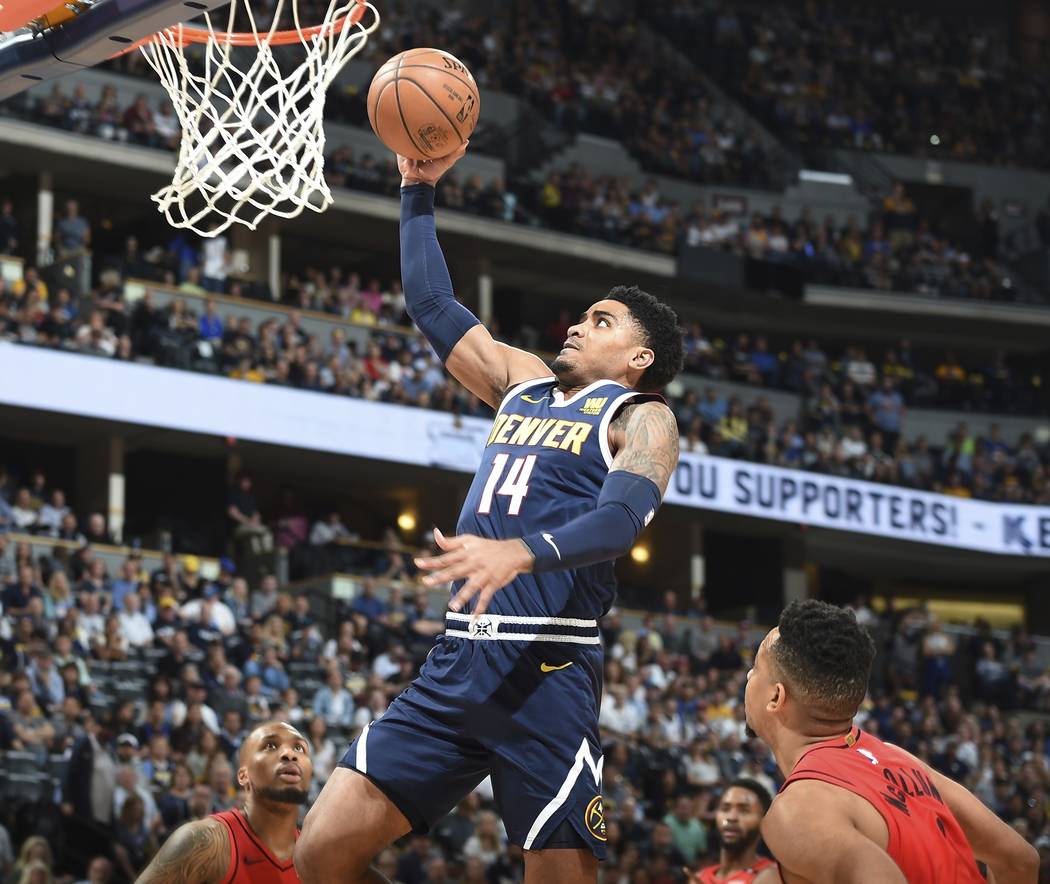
594	818
480	628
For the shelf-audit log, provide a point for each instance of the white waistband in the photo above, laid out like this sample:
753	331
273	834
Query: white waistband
487	628
530	621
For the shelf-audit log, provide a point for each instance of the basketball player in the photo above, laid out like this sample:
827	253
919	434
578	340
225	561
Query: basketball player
575	466
253	845
739	820
852	808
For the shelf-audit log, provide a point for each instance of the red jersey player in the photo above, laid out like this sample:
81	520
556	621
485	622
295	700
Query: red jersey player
738	820
854	809
254	845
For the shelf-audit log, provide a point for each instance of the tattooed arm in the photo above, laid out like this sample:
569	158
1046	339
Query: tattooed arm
645	439
196	853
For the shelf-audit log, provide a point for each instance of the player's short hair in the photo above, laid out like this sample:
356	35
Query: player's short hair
756	788
825	654
660	331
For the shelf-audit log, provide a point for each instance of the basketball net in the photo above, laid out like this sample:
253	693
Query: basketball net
252	135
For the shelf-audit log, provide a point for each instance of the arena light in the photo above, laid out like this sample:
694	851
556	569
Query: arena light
816	177
406	522
640	553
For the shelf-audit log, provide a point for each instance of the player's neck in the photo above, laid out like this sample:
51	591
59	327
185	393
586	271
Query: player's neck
792	746
728	863
275	825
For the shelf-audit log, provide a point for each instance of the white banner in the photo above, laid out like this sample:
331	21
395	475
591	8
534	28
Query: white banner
51	380
70	383
749	489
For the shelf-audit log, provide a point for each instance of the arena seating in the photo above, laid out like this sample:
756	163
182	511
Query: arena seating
848	75
671	708
839	390
890	251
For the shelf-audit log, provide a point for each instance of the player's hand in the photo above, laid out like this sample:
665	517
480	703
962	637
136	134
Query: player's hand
486	565
428	171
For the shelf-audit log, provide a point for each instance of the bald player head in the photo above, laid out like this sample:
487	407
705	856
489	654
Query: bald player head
274	764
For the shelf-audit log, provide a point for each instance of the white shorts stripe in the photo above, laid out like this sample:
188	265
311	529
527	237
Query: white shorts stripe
361	758
582	756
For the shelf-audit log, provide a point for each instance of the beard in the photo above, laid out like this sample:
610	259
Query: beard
739	848
561	366
283	795
749	732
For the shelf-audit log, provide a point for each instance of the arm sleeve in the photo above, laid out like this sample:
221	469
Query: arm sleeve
424	275
627	504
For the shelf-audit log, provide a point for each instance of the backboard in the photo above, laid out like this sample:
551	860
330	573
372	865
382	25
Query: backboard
42	41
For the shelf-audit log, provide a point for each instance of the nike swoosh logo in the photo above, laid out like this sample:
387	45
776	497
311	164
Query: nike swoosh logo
546	667
550	540
528	398
252	860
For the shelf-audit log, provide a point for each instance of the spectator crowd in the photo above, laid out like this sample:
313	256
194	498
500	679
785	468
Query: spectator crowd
893	250
901	79
897	250
125	695
851	417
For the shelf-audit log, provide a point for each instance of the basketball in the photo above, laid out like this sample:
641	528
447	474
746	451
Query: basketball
423	104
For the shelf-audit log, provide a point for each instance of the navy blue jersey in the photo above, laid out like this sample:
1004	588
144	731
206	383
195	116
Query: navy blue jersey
515	696
544	464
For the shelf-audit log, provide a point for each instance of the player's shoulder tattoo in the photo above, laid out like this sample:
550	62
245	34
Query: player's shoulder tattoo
650	441
195	853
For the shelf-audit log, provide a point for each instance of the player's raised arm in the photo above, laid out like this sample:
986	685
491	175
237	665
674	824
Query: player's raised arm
810	833
195	853
484	366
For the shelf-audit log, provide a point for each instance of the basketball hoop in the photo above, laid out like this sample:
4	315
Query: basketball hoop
252	134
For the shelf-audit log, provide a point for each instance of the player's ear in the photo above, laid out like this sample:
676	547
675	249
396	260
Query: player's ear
242	777
643	358
778	697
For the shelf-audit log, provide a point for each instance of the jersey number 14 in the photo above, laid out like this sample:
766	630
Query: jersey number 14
515	486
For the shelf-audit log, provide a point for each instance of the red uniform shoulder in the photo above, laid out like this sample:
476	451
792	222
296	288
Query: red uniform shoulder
251	861
925	840
746	876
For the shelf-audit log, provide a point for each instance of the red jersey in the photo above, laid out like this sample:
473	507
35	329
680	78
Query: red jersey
744	876
925	840
251	862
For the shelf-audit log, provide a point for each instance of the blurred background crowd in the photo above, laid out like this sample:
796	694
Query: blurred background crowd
125	693
894	249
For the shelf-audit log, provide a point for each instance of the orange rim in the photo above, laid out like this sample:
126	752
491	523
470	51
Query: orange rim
186	35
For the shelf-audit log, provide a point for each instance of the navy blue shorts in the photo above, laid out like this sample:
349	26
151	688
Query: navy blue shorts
514	700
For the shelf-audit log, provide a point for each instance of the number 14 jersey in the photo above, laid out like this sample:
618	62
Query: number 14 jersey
544	464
